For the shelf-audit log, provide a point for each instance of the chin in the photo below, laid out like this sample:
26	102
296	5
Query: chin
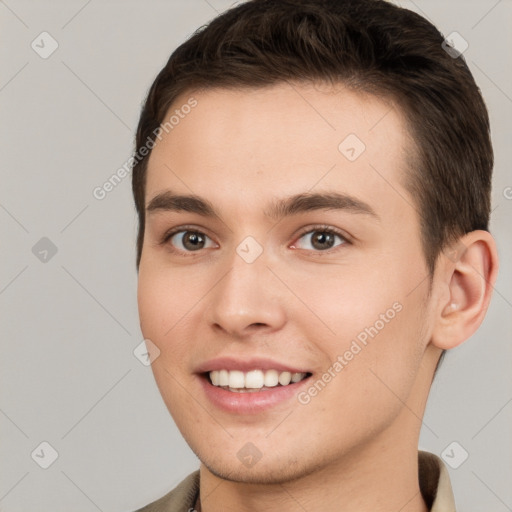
262	473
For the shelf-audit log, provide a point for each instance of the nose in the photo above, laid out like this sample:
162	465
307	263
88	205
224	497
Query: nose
248	299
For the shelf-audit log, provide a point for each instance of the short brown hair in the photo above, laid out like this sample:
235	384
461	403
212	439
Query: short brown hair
370	46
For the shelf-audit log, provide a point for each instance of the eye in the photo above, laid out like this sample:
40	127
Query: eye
188	240
320	239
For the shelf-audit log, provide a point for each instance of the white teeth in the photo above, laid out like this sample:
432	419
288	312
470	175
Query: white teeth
254	379
285	378
236	379
223	378
271	378
297	376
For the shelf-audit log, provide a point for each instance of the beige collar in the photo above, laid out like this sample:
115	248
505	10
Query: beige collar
435	483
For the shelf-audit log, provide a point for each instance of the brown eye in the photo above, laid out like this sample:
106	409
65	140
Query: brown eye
189	240
320	240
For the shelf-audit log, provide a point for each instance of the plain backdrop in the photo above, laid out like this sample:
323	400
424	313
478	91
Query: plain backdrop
69	376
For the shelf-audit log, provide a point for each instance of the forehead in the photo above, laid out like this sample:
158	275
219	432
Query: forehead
291	138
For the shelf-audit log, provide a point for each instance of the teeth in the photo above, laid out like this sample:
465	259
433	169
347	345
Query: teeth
255	379
236	379
271	378
223	378
285	378
297	376
214	376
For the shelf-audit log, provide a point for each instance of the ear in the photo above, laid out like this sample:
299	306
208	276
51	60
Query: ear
467	273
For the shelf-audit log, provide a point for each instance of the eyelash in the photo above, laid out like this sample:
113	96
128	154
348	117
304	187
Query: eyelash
311	229
322	228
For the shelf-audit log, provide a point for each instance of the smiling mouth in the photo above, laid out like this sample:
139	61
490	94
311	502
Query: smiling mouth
253	381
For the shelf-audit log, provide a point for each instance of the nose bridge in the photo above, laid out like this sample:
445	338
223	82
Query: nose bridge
247	295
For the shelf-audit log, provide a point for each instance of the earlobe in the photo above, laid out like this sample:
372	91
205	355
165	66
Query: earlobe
468	275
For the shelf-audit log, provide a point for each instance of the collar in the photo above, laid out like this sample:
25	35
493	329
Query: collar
435	484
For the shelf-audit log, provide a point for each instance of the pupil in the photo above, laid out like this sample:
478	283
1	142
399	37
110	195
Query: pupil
323	238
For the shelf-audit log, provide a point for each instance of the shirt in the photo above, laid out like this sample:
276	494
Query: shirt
434	483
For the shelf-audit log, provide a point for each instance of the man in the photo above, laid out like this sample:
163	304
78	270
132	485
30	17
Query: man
312	179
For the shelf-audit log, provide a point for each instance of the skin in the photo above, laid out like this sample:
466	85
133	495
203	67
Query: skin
354	445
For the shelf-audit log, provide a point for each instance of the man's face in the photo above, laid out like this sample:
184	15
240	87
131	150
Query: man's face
338	293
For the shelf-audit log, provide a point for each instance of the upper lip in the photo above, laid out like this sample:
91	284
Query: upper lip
245	365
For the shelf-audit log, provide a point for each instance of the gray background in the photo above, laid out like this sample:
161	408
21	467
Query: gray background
70	324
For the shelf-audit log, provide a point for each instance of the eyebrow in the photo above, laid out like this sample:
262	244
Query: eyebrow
278	208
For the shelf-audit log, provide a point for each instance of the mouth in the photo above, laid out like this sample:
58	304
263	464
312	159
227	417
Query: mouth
251	390
253	381
251	385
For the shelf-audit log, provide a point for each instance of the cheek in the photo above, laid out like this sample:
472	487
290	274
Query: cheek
344	301
170	303
372	321
163	317
152	303
165	297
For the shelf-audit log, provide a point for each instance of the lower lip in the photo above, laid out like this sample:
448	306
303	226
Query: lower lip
249	402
